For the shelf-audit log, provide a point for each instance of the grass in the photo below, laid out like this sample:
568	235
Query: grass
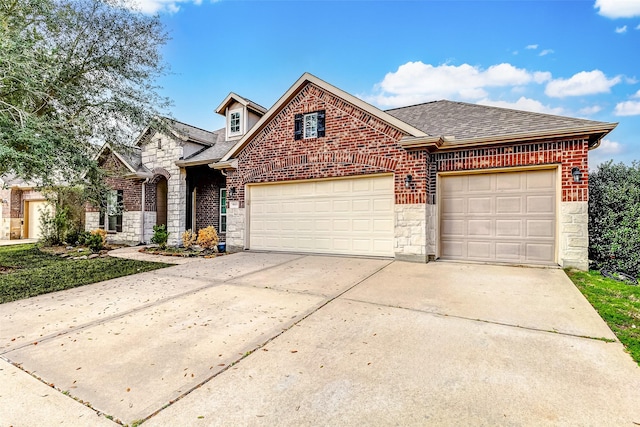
617	303
25	271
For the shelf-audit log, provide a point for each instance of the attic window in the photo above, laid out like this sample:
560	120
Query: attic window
311	125
234	122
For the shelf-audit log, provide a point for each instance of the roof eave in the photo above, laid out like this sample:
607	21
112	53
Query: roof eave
187	163
224	165
595	134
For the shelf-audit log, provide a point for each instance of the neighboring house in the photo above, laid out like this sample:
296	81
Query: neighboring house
324	172
20	208
164	178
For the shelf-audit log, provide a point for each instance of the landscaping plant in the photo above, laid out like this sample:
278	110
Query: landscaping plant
160	236
189	238
208	238
614	217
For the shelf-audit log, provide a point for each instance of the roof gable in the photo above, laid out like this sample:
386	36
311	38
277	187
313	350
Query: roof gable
179	130
305	79
232	97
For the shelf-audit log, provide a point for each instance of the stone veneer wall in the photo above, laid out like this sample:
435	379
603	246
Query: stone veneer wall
574	235
410	232
163	159
235	229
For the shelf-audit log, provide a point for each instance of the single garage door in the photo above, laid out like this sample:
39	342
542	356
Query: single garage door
35	209
342	216
499	217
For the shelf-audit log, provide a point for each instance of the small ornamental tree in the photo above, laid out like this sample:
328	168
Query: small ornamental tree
614	217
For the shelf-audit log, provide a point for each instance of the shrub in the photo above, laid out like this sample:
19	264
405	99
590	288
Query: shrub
96	240
614	217
53	226
208	238
160	236
189	238
82	237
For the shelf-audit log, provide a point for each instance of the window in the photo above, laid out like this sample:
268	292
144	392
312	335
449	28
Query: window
223	210
234	123
112	211
310	125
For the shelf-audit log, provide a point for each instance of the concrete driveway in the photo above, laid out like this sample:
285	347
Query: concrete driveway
284	339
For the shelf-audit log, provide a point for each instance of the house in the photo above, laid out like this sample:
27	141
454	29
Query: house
163	179
324	172
21	205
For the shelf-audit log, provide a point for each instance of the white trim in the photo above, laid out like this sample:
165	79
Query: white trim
241	121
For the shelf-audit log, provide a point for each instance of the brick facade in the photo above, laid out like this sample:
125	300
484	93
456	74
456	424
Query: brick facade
570	154
356	143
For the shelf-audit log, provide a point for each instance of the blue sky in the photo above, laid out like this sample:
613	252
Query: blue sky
576	58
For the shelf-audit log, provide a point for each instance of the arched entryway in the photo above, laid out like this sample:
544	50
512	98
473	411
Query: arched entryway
161	201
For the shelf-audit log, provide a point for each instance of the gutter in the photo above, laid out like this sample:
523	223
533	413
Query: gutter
229	164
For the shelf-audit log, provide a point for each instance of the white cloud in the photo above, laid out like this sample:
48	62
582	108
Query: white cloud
605	152
610	147
416	82
627	108
636	95
532	46
638	27
159	6
621	30
589	111
546	52
526	104
618	8
582	83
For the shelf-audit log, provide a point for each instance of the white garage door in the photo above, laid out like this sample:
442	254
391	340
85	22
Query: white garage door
343	216
33	220
499	217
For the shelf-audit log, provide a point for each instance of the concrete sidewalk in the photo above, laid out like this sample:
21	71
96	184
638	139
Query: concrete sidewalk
286	339
4	242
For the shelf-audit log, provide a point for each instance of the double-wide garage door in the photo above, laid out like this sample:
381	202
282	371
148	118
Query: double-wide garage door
499	217
352	216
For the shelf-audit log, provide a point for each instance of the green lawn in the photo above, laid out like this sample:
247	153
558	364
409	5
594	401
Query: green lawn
25	271
617	303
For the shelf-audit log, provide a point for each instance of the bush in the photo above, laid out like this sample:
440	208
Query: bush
82	237
614	217
53	226
96	240
208	238
189	239
160	236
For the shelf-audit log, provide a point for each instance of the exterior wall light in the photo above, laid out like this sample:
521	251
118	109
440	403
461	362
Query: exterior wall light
407	181
577	175
232	191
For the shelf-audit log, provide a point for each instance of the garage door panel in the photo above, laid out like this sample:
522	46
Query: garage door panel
540	228
479	250
508	228
346	216
479	205
479	183
508	250
480	227
541	204
508	205
499	217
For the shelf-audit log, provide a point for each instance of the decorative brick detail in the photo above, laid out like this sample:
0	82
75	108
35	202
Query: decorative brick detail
569	154
356	143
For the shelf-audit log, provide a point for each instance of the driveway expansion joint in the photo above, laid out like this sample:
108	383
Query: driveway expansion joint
491	322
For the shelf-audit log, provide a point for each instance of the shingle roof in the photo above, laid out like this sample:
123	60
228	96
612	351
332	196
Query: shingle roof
464	121
212	153
192	133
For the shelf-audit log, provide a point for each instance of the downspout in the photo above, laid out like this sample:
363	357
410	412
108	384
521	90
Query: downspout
143	202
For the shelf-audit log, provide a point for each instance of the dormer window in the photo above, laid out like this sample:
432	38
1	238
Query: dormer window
235	122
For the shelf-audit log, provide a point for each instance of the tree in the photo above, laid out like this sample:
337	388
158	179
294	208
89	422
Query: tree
73	74
614	217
